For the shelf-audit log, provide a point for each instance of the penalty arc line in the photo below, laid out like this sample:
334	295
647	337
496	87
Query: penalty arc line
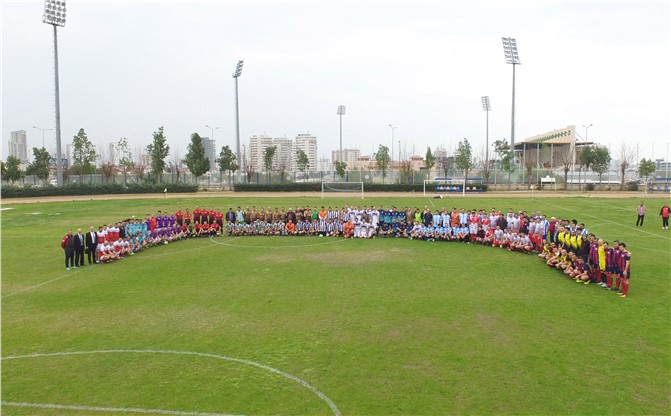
109	409
303	383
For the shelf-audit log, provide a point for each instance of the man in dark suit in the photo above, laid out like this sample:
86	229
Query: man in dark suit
68	244
91	242
79	248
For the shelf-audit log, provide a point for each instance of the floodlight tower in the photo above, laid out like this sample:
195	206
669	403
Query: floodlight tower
54	14
513	58
236	75
341	112
486	107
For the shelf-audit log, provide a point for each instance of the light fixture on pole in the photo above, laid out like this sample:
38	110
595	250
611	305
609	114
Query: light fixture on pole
42	130
486	107
54	14
341	112
236	75
513	58
587	129
212	129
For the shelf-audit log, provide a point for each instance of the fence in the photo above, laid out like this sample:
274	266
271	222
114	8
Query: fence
518	178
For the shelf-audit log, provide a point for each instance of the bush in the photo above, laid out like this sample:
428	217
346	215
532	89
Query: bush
590	187
631	186
9	191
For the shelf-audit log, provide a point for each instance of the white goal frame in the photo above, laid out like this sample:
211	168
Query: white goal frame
333	185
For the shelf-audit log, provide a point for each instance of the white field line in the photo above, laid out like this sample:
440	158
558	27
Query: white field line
109	409
41	284
77	271
303	383
607	221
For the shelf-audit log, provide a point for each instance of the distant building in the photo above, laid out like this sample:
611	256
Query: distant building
18	146
211	152
348	155
307	143
285	153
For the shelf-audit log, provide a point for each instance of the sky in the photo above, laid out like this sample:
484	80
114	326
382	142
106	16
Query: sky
129	67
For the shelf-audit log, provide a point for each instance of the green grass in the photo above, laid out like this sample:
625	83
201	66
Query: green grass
382	326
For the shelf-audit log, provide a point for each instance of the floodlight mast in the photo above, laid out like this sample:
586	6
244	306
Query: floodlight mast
513	58
54	14
236	75
341	112
487	108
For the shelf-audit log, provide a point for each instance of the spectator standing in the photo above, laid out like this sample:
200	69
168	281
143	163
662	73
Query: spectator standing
68	245
641	215
91	242
664	213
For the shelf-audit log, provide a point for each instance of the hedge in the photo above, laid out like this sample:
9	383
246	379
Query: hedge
317	187
9	191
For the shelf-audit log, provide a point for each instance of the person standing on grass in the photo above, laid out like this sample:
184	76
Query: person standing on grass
664	213
91	242
79	248
626	268
641	215
68	245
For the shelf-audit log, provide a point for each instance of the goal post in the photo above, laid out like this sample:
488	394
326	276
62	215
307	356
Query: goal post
342	187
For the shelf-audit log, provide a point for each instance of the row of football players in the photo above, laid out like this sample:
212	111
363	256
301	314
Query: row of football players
605	265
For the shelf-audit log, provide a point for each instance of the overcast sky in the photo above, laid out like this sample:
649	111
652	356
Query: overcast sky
128	67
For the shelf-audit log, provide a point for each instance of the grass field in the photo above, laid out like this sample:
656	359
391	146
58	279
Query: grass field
282	325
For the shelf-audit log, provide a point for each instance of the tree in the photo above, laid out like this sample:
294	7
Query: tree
508	163
268	156
158	150
125	156
463	157
227	161
382	160
600	160
405	171
195	158
429	161
139	163
626	157
40	166
566	159
585	158
340	168
83	154
302	161
13	168
3	169
646	167
106	164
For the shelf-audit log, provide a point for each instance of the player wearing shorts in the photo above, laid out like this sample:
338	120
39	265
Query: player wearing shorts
626	269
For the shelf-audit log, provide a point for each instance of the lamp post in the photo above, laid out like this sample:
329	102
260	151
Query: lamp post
42	130
392	147
54	14
587	129
487	108
341	112
513	58
236	75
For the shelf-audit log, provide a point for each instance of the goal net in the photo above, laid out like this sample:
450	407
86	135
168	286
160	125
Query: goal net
352	188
